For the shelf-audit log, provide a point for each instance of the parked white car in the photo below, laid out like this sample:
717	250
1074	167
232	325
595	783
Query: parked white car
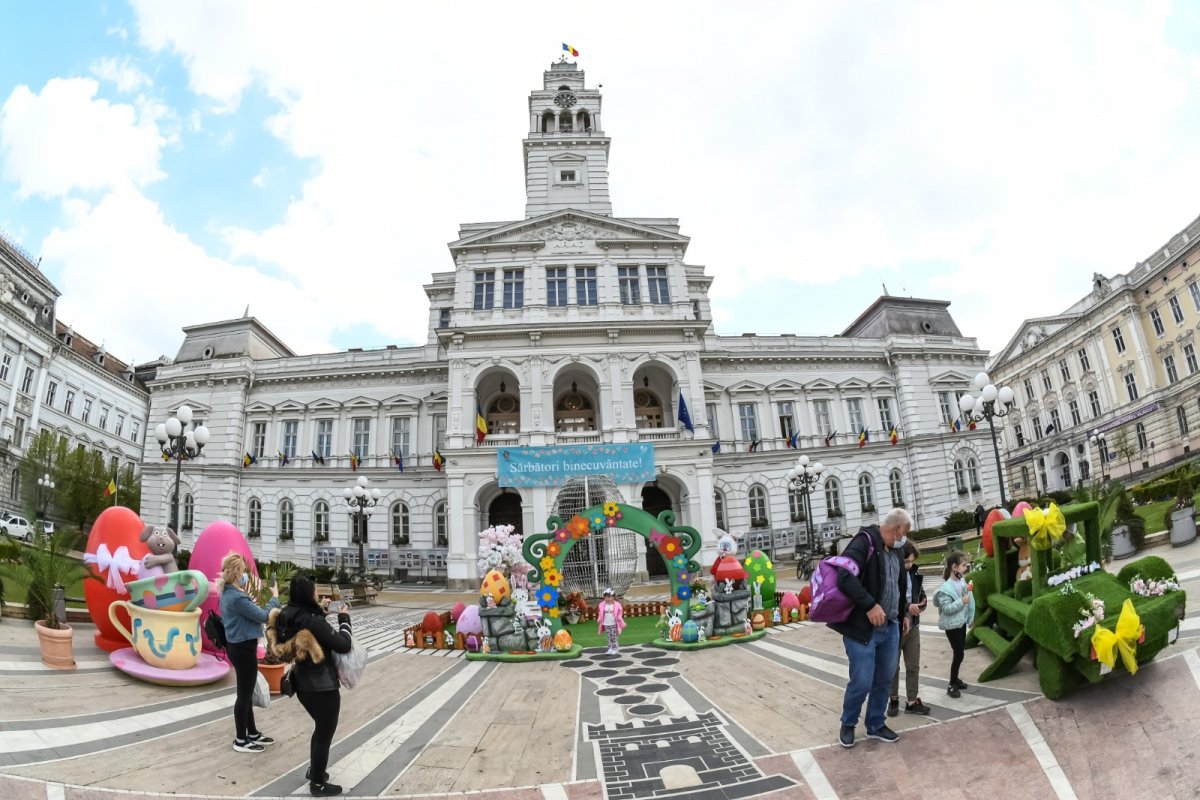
17	527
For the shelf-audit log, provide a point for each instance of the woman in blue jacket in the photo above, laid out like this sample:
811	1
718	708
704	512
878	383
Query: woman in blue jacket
243	620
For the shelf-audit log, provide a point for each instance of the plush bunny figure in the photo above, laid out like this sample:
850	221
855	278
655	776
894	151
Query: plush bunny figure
162	542
1024	560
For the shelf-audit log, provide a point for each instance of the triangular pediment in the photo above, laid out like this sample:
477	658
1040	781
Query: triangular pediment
1031	334
883	383
290	405
853	383
198	409
569	225
361	402
324	404
746	387
259	407
785	387
401	401
819	385
952	378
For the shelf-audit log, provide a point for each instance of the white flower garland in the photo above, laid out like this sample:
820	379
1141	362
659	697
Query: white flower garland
1091	614
1152	587
1074	572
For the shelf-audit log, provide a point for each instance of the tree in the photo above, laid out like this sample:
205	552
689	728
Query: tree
39	460
1125	448
129	489
80	494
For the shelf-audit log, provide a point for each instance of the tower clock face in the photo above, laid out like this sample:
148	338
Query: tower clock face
565	99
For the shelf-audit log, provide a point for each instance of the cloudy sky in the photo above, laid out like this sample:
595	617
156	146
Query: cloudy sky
172	162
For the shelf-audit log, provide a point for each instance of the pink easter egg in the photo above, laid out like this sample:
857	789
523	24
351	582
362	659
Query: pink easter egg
469	621
456	611
215	542
1020	508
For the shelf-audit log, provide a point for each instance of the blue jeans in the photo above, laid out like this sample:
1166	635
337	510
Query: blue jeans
871	668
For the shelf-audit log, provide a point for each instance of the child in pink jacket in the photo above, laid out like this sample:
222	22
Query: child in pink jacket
611	618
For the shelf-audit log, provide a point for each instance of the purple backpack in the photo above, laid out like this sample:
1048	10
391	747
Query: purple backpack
829	604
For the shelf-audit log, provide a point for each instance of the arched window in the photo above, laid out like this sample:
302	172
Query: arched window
504	414
796	505
399	523
1085	469
758	508
320	521
189	512
287	521
973	473
548	121
254	527
14	486
647	409
833	498
441	535
1143	442
719	504
866	493
960	476
574	412
896	486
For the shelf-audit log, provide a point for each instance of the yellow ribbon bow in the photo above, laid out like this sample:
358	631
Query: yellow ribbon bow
1125	640
1045	525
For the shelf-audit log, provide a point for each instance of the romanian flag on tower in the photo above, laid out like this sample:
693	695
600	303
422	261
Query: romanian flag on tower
480	425
568	49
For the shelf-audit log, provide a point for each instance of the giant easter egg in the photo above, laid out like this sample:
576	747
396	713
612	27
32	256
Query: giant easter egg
788	602
1020	508
114	541
215	542
562	640
432	623
691	631
469	621
495	586
994	516
805	596
457	610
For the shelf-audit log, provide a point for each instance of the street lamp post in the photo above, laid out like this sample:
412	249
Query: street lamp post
44	487
361	501
804	478
1098	441
984	407
180	442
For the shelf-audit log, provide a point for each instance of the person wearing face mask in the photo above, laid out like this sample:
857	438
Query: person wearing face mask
914	602
243	620
871	634
956	608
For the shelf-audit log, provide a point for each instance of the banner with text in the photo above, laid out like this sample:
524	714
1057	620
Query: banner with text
555	464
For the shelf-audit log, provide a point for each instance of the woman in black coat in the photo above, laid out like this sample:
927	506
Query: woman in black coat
301	634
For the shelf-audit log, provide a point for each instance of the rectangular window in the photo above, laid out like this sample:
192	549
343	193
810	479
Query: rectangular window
1020	431
1194	290
711	410
949	405
748	420
5	366
485	289
885	413
51	390
1037	427
87	410
439	431
402	436
1156	321
1118	340
1083	360
1076	417
1189	353
135	433
19	432
324	438
1181	416
854	414
1094	402
104	418
27	381
822	418
514	288
631	292
566	176
258	439
362	437
556	286
1131	386
291	433
1176	310
444	318
1055	420
787	420
69	403
1169	366
585	286
120	424
656	284
1046	380
1064	370
1029	390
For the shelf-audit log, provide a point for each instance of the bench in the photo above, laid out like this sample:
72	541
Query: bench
324	590
364	593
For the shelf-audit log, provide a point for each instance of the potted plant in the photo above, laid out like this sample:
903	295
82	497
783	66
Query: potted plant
1129	531
49	567
1180	518
271	667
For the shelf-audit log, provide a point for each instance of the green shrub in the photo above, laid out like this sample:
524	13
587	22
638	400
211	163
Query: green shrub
958	520
1125	515
924	534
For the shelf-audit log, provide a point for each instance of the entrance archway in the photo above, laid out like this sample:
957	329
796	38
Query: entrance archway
654	502
506	510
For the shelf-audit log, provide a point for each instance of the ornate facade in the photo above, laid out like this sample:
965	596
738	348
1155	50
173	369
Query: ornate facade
570	326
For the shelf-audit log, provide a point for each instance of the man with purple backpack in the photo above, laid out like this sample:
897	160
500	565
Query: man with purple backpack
873	581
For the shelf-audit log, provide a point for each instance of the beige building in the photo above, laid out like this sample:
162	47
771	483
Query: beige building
1120	363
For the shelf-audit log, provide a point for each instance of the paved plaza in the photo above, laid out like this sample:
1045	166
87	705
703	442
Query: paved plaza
752	720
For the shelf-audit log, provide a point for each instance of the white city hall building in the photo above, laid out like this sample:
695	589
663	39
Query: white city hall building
570	326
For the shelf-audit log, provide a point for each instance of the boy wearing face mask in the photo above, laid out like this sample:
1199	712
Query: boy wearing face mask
243	620
914	602
956	608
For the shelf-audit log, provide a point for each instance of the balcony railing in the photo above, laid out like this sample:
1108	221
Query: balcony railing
657	434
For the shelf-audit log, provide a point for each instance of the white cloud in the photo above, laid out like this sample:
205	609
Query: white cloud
260	178
66	139
121	73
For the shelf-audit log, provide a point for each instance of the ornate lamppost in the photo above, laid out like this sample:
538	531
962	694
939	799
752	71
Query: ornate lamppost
1097	439
804	478
44	487
361	502
986	406
180	442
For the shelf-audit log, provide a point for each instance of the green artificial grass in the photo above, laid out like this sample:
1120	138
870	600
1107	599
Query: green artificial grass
1149	567
638	630
716	641
518	658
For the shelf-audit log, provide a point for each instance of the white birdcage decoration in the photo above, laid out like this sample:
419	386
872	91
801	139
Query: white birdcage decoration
608	556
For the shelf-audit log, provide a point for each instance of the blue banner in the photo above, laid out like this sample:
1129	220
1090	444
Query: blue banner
555	465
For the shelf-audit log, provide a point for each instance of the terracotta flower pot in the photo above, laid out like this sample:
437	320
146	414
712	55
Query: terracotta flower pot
273	673
58	647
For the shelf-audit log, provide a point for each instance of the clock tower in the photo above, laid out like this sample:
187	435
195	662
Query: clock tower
566	152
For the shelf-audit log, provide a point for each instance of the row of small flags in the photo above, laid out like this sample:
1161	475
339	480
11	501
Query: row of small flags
249	459
793	442
957	425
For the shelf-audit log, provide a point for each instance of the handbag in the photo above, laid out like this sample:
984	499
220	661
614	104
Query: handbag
285	684
350	665
262	693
